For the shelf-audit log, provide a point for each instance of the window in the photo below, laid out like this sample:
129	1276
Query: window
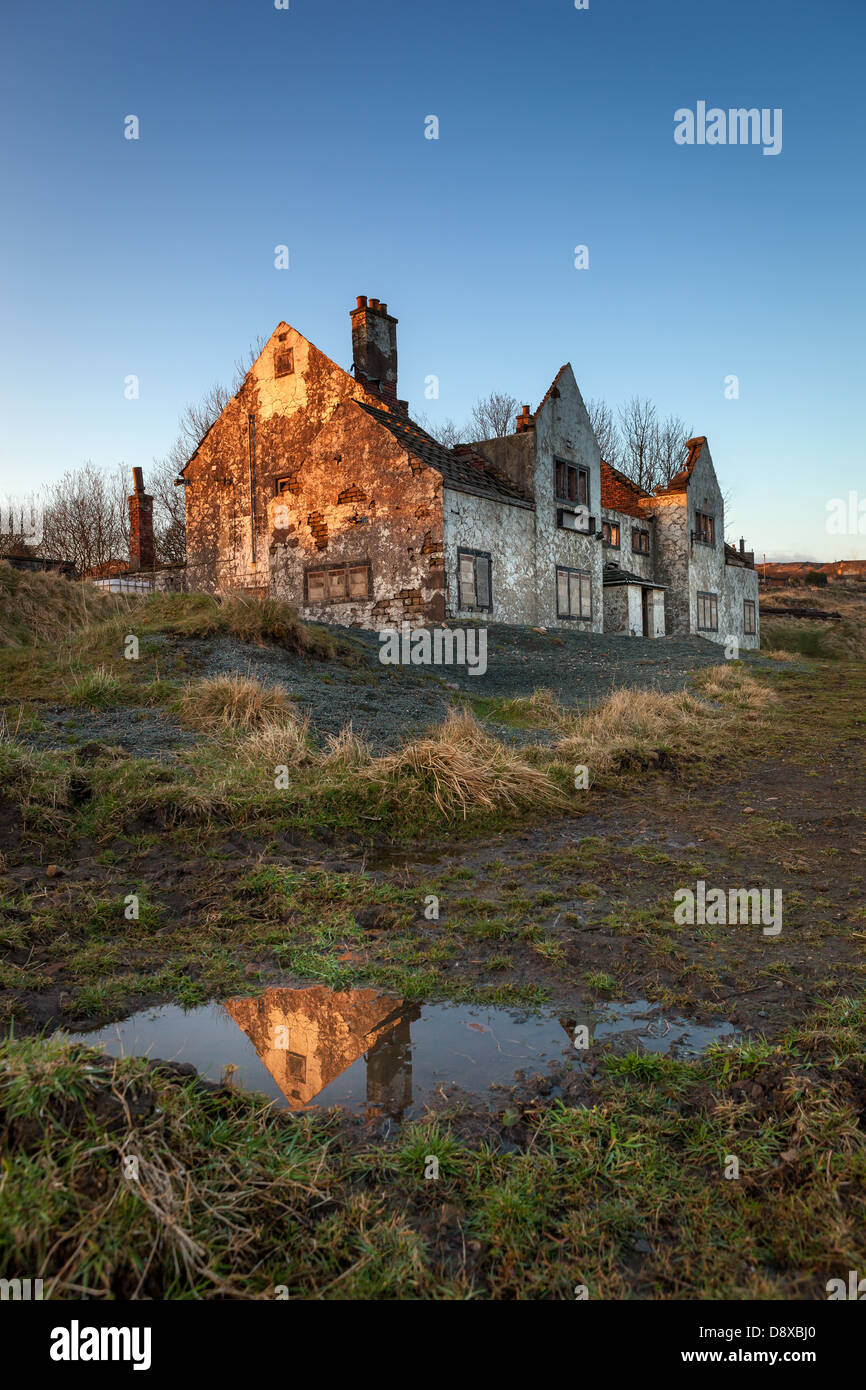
708	613
639	541
573	593
336	584
610	533
284	360
316	586
283	485
359	581
750	624
570	482
473	579
705	529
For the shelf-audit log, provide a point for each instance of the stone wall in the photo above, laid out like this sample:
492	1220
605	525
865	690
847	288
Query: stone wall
359	500
507	533
563	430
626	557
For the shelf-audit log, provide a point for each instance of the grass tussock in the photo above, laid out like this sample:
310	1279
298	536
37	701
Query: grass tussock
249	618
460	767
641	727
38	608
236	702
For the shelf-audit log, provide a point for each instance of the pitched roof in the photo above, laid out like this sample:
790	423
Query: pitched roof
680	481
619	492
465	472
615	574
553	389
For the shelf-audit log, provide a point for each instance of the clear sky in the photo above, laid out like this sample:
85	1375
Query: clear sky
305	127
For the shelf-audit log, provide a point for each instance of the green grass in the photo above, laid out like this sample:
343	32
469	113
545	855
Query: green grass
122	1181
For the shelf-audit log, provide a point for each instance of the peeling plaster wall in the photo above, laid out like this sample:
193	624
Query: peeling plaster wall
740	584
361	499
508	534
658	613
670	556
563	430
626	557
706	562
616	609
289	411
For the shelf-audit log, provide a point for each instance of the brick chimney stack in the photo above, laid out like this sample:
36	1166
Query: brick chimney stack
374	346
525	421
141	555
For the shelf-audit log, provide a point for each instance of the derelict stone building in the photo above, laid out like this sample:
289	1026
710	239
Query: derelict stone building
315	485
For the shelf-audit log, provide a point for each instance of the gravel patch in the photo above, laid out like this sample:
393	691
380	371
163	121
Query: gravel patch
387	705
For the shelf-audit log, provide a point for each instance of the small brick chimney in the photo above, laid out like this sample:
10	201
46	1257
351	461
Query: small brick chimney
140	525
525	421
374	346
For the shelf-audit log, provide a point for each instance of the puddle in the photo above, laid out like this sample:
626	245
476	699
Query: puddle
375	1053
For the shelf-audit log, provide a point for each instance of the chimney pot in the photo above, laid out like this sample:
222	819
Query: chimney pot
374	346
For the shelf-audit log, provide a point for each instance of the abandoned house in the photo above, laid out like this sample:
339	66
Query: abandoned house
316	486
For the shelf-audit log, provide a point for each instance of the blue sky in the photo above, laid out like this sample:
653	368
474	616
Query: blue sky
305	127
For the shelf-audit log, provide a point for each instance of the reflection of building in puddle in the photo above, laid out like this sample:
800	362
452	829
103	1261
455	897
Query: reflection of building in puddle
307	1037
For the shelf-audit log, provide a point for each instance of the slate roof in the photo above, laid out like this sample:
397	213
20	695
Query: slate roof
615	574
466	471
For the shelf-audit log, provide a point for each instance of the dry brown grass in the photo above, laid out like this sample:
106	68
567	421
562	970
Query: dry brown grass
347	749
642	725
461	767
43	607
238	702
283	742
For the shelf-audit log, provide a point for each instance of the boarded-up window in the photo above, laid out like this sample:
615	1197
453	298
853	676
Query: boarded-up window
337	583
573	593
708	612
359	581
316	586
750	626
474	579
640	541
284	361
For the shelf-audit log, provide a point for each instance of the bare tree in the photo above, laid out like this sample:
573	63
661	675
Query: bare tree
493	416
645	449
169	512
638	429
673	436
606	432
447	432
85	518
